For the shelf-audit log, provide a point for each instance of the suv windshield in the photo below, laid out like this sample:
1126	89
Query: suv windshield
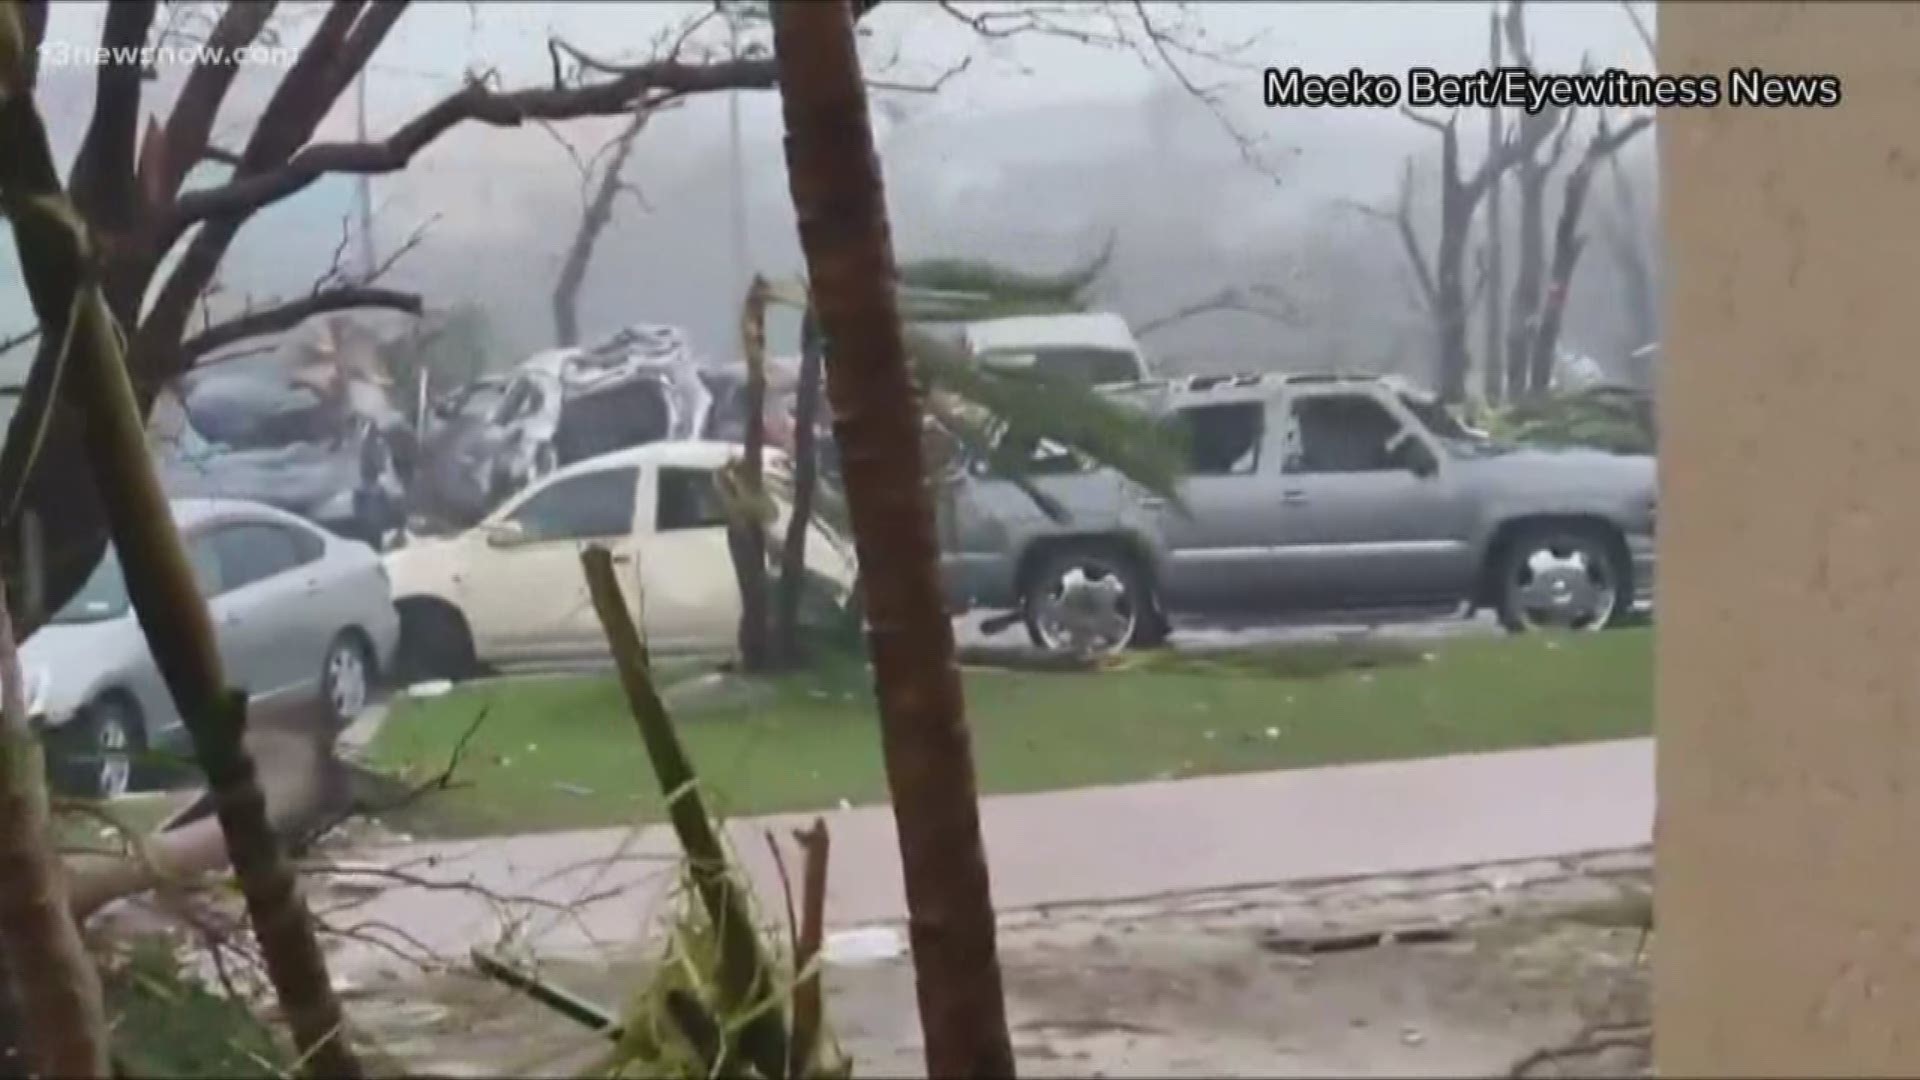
103	597
1457	436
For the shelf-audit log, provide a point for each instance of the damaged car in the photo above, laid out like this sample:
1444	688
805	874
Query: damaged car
491	438
312	432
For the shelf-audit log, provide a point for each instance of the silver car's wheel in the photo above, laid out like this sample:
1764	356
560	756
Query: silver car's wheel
1561	580
1085	602
96	754
347	678
113	740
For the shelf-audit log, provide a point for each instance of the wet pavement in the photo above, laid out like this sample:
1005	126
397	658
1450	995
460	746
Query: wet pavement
585	892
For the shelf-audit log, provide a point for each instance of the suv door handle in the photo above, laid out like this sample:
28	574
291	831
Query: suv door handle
1152	502
1295	497
621	560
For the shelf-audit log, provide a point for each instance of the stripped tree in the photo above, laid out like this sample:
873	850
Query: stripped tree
1532	170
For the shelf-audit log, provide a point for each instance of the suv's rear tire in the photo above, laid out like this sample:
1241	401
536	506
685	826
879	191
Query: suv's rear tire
1562	576
1089	599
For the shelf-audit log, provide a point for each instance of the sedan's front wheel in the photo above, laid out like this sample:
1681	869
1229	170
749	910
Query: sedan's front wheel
95	755
347	678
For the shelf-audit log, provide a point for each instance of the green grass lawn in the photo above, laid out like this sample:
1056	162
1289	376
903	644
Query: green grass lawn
562	753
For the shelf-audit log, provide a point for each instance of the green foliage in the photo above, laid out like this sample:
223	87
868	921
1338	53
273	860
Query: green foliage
681	997
989	404
1616	419
167	1022
966	290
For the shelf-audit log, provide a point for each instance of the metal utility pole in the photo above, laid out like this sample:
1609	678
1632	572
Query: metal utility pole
367	257
736	180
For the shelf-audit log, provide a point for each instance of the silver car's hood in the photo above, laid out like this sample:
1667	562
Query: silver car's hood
62	662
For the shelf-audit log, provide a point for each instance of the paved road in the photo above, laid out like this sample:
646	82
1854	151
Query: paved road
1089	845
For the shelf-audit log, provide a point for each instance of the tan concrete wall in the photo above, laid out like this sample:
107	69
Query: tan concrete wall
1789	637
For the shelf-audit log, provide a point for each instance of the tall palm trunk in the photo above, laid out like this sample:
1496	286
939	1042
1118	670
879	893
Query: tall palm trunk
840	203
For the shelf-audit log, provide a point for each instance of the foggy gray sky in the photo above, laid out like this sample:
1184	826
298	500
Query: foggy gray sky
986	167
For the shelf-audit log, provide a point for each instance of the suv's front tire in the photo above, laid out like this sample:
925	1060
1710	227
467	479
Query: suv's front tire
1089	599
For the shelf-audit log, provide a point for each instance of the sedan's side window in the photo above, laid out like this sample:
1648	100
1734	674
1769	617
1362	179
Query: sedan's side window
205	562
1341	433
253	552
594	506
689	499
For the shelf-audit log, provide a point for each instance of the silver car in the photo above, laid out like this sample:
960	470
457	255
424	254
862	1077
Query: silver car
299	613
1308	498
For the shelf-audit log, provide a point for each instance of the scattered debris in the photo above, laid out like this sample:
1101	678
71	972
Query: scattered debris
868	945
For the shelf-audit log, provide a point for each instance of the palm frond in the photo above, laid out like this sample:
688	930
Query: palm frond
943	290
1005	401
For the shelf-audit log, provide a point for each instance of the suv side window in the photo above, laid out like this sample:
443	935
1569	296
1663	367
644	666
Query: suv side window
593	506
689	499
253	551
1222	440
1040	456
1340	433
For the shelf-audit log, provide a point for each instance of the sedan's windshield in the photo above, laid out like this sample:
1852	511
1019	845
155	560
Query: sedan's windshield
103	597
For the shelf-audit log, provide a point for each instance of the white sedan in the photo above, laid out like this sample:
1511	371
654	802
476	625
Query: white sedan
510	590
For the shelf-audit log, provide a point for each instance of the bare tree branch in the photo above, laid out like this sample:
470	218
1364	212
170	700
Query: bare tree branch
1569	244
190	124
646	86
932	86
102	181
1230	299
1641	30
338	49
594	219
277	318
14	341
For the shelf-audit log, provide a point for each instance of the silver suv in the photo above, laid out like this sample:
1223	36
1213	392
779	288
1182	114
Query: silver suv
1307	497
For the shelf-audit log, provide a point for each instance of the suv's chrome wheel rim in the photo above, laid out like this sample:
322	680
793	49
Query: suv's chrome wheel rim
113	743
1087	611
1564	585
346	681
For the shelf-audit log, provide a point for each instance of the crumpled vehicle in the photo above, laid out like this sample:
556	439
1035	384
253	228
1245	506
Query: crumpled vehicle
488	439
318	437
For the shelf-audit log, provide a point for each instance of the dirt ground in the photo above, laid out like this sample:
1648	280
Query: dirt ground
1477	970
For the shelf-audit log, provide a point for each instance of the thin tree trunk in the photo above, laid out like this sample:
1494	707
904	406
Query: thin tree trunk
54	987
1492	371
1569	244
1450	292
806	476
55	259
747	534
1525	309
1631	259
840	202
593	223
744	972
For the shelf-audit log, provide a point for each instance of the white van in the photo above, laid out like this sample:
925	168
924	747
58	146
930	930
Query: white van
1096	347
